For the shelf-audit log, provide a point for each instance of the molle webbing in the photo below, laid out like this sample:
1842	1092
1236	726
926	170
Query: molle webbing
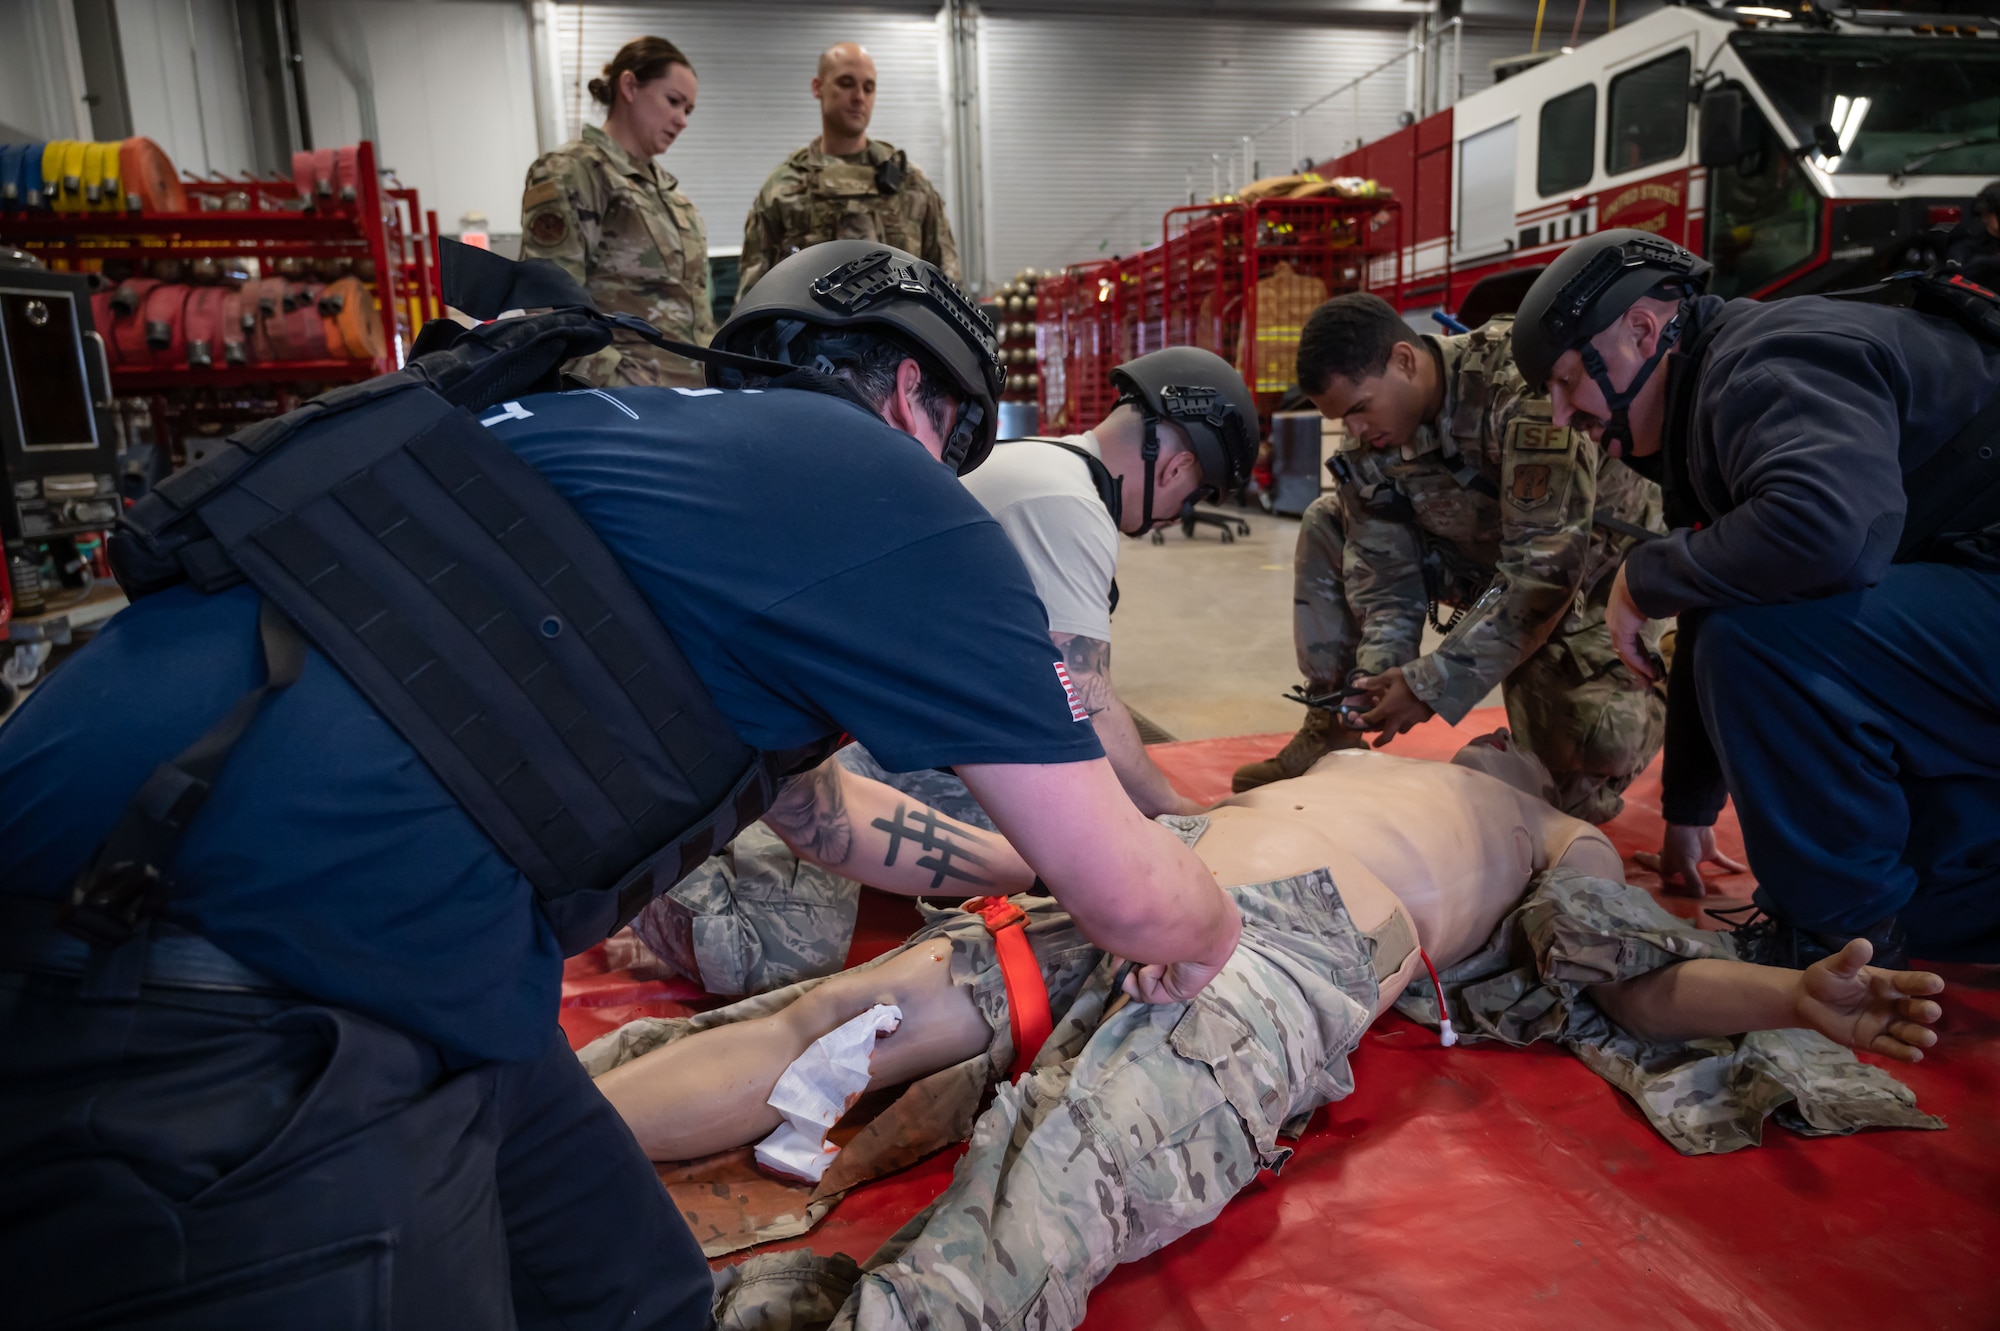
483	618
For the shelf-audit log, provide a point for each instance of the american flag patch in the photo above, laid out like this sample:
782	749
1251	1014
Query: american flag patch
1076	712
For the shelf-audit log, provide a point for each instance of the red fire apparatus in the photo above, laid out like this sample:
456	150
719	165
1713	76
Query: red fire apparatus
1797	150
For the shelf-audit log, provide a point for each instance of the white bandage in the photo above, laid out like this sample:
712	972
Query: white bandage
821	1085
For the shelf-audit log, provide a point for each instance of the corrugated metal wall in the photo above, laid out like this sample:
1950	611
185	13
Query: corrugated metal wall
184	82
453	97
1092	124
755	106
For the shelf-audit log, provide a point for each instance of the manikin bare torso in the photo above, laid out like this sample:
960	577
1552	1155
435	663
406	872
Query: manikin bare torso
1453	847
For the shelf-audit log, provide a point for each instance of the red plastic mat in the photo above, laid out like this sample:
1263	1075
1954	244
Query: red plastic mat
1500	1189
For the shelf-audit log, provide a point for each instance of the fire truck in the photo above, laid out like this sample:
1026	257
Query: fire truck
1798	151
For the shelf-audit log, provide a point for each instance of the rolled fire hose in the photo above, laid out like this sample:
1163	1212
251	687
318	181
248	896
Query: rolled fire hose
147	176
165	317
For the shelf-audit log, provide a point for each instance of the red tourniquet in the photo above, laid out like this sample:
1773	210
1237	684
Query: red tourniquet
1027	993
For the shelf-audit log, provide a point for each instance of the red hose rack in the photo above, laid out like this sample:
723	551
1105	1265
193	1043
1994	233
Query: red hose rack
1203	268
1297	253
1233	278
1052	352
382	226
381	233
1097	333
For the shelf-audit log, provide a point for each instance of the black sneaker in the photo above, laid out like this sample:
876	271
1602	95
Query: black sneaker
1766	940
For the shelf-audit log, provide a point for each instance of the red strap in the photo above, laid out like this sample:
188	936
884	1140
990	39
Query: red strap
1027	992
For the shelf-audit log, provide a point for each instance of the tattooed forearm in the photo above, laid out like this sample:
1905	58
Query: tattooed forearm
1089	662
939	842
810	813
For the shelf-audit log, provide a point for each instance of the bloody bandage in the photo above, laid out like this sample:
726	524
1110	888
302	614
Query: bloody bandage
1027	992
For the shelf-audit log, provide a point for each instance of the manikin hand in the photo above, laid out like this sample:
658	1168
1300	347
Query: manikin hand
1396	708
1683	850
1626	621
1865	1007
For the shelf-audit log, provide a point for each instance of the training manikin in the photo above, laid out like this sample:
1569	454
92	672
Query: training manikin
1054	1192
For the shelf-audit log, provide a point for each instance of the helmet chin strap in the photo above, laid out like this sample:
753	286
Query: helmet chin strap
970	417
1149	455
1617	421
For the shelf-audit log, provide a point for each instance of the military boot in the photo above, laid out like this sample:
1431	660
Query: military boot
1766	940
1321	734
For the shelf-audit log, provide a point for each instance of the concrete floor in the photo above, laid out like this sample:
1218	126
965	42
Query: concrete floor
1201	644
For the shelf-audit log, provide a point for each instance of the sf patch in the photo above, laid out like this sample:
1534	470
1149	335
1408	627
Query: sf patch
549	229
1538	436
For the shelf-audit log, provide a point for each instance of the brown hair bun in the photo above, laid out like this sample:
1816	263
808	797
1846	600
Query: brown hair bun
647	58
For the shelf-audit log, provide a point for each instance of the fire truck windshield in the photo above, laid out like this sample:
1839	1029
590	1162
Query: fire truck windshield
1896	105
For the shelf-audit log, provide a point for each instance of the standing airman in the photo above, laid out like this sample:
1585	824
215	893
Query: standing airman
603	209
844	185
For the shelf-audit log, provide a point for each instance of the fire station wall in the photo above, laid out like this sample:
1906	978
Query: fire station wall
41	75
1093	123
454	101
184	82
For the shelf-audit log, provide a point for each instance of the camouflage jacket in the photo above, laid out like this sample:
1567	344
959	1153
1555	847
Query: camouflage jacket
1489	508
622	228
1707	1096
812	198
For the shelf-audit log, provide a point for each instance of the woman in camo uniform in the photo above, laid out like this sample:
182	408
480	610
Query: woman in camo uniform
602	208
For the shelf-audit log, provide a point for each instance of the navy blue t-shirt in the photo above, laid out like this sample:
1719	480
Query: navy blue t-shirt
820	571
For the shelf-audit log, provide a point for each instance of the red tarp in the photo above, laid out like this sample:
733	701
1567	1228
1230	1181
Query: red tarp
1479	1187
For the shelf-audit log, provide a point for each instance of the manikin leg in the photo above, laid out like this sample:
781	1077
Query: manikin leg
707	1093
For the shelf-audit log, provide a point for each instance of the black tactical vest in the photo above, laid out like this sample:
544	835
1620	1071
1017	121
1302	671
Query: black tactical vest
477	612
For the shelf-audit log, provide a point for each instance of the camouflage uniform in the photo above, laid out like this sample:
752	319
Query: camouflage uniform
876	194
1707	1096
754	918
1489	509
1135	1127
622	227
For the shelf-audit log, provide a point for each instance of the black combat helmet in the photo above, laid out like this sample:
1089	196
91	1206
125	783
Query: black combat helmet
862	284
1588	286
1582	293
1204	395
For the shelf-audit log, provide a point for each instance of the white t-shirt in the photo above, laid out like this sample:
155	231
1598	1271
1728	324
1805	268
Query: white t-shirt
1044	499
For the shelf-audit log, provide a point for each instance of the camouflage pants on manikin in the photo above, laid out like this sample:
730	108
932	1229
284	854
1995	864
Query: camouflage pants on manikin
1572	703
1131	1129
1136	1127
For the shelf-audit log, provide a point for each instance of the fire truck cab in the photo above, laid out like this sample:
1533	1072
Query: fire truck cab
1797	151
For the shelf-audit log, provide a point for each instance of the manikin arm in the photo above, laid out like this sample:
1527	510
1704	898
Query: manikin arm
1089	662
877	835
1842	997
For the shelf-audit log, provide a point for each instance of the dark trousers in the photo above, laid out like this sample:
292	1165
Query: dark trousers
218	1160
1860	738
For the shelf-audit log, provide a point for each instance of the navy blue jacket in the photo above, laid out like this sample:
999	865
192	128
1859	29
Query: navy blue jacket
1808	413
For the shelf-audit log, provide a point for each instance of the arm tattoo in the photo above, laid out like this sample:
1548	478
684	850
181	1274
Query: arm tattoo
1089	662
811	813
938	837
